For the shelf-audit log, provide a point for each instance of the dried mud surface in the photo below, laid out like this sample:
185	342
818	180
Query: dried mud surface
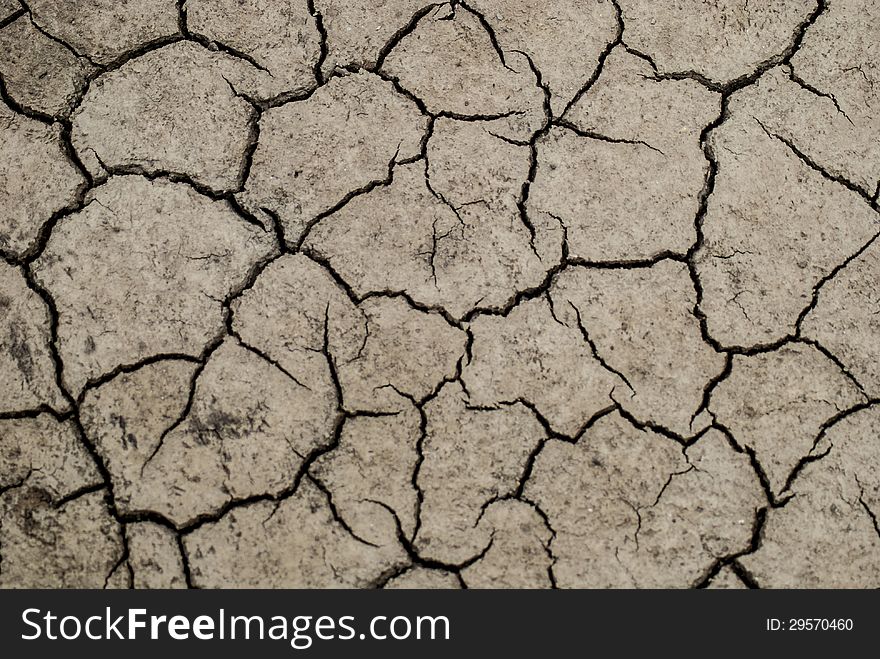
407	294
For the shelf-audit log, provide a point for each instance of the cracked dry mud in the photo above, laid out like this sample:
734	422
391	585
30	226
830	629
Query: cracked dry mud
415	294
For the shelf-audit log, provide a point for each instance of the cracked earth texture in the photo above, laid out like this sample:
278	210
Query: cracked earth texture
333	293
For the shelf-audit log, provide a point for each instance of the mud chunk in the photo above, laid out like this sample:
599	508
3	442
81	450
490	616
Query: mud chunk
846	319
519	556
449	63
642	325
25	357
405	352
417	578
357	32
44	455
154	556
40	73
49	514
142	270
38	180
778	402
631	509
292	544
280	37
176	109
403	238
371	472
76	544
627	184
471	457
773	230
248	429
723	40
125	420
106	30
528	355
315	154
826	536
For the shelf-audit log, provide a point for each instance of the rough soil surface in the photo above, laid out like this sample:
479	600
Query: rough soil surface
468	294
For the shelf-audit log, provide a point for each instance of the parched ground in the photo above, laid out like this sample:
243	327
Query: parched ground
497	293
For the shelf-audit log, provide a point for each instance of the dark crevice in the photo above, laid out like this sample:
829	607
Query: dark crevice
16	415
817	289
121	561
562	123
547	546
476	117
252	144
808	87
518	298
628	264
337	517
487	27
400	89
363	190
419	561
398	36
14	16
641	55
217	46
650	426
356	299
76	494
193	385
813	456
840	365
744	575
611	45
700	218
101	380
385	579
529	467
812	164
747	79
182	178
711	386
732	559
595	350
184	561
265	357
68	47
870	513
18	108
756	465
324	48
182	25
522	201
140	51
420	459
